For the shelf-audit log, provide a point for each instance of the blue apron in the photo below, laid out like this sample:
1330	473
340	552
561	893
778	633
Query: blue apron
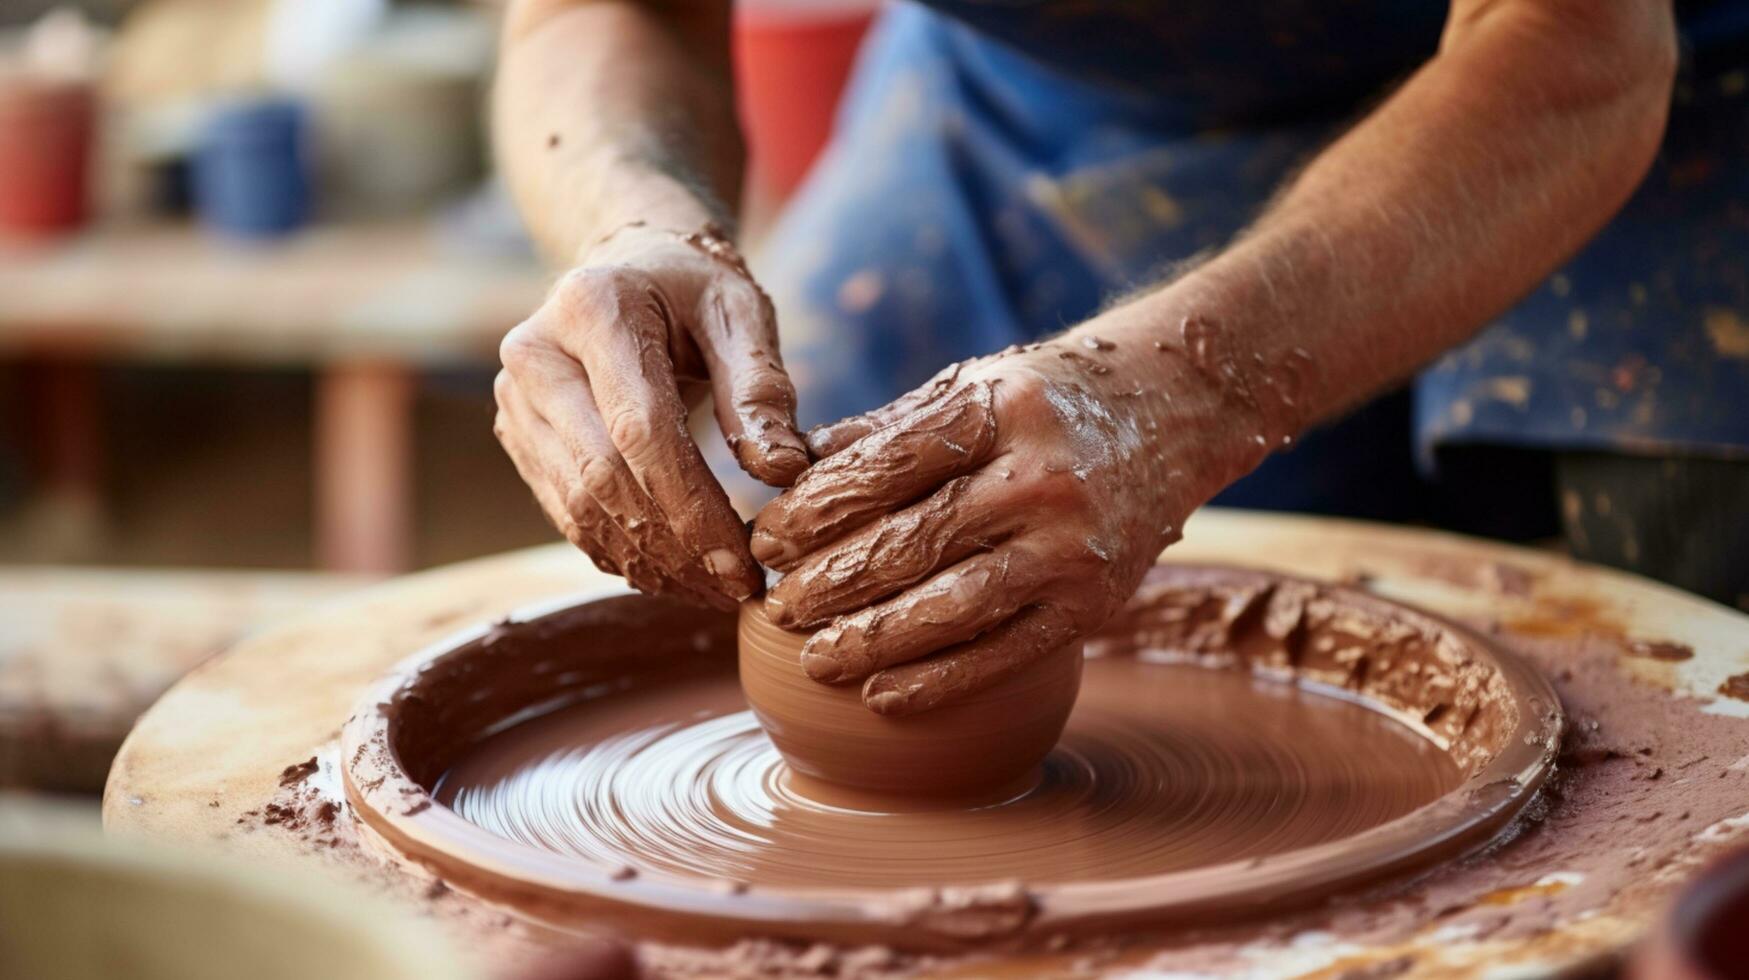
1001	169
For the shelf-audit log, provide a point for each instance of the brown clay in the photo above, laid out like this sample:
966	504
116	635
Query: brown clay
986	745
592	408
1243	743
1003	510
1646	793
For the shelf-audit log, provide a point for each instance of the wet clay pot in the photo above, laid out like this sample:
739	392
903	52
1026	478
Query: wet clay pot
988	745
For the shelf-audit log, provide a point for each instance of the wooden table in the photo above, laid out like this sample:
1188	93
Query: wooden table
364	306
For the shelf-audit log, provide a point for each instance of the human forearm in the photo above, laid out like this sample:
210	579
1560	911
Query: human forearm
1489	167
615	126
1011	505
609	112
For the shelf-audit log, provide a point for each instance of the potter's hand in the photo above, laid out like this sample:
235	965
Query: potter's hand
1002	510
591	410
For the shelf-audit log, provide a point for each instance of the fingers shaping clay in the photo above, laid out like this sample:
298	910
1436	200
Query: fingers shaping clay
985	747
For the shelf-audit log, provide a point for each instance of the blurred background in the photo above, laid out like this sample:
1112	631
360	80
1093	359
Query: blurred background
254	268
254	265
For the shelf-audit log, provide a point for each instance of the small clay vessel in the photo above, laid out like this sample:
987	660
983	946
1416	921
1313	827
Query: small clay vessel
47	132
985	747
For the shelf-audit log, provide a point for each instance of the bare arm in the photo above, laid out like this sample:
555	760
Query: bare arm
1039	483
612	111
1490	166
615	126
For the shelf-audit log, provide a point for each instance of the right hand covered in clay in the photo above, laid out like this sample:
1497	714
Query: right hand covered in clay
1001	511
591	408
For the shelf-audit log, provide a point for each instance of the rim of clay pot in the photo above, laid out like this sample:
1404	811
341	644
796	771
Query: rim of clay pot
401	809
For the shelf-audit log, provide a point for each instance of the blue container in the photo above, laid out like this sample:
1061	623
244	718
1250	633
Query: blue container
251	172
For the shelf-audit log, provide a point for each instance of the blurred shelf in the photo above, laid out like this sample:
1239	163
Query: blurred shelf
365	306
394	292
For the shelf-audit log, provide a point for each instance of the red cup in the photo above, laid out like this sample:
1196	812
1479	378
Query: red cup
790	69
46	132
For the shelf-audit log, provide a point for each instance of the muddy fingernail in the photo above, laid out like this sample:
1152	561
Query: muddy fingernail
886	702
821	668
886	694
770	549
821	443
733	572
785	463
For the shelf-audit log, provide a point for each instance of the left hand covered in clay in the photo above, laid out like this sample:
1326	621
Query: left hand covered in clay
1006	508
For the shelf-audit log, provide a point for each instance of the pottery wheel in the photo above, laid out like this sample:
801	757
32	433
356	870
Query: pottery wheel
247	751
1151	777
1243	741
